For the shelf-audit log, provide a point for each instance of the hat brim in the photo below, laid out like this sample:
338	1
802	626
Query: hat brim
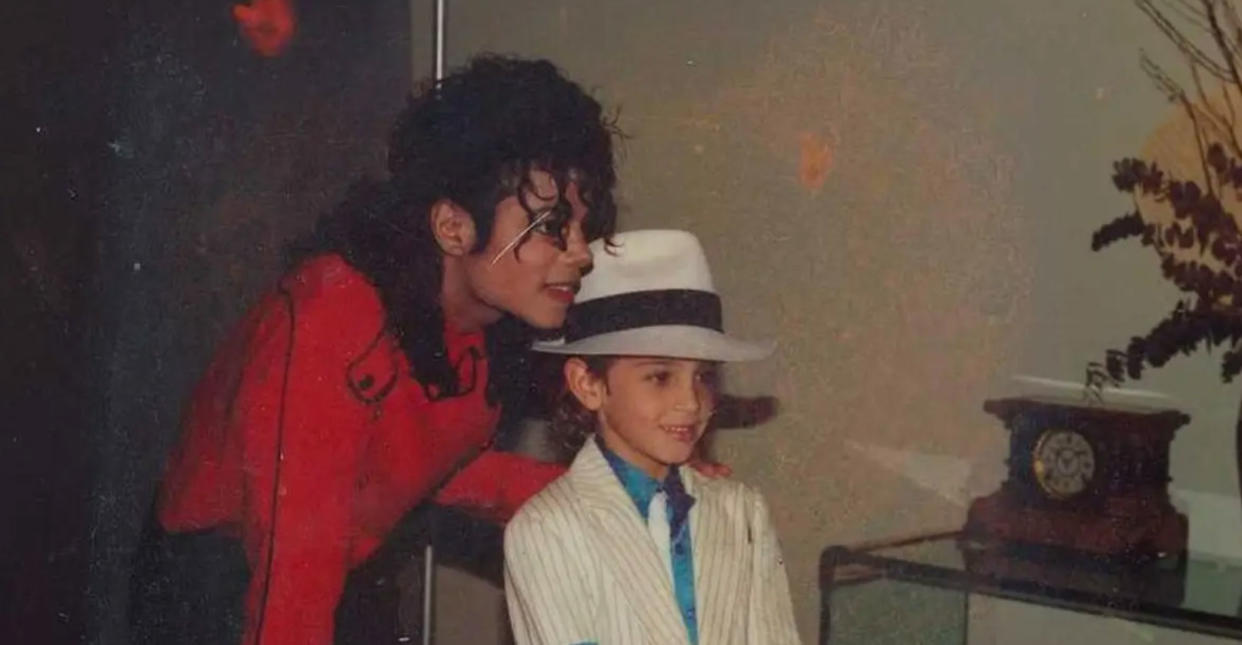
674	341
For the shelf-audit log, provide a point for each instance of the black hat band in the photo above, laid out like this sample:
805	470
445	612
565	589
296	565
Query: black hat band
643	309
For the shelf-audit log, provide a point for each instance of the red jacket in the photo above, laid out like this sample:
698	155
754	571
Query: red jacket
308	439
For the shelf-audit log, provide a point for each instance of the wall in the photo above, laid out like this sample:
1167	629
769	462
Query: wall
903	194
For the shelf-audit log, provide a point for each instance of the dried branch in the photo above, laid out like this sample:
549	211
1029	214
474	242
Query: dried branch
1189	12
1186	45
1229	54
1200	146
1232	30
1217	124
1129	225
1211	314
1235	22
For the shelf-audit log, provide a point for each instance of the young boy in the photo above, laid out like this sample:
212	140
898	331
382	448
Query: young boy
628	546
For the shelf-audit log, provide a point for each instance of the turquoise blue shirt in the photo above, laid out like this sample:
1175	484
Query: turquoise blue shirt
641	487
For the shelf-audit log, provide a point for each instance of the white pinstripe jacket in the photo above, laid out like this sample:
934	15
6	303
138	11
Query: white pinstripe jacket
580	566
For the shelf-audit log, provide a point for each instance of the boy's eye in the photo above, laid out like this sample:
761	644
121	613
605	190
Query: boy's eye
660	378
708	377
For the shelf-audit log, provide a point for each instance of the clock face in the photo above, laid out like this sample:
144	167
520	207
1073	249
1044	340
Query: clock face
1064	463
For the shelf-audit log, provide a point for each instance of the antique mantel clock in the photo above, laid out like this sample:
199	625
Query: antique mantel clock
1084	478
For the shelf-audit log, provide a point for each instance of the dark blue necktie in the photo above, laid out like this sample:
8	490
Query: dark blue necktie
678	500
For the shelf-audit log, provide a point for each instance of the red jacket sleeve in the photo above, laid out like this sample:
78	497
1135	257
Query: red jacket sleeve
496	483
304	436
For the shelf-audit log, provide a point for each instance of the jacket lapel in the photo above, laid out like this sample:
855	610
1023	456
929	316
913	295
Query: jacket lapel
720	566
626	548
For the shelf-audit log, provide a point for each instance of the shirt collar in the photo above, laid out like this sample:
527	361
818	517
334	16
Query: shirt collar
640	486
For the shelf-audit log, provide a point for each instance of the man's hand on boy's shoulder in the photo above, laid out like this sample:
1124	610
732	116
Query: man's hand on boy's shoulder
709	468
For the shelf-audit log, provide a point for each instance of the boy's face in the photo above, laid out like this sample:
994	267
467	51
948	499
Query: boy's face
650	411
533	278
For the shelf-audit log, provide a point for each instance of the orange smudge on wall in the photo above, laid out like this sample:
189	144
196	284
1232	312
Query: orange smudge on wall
268	25
816	161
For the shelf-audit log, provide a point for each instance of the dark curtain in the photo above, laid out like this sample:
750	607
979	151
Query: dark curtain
157	166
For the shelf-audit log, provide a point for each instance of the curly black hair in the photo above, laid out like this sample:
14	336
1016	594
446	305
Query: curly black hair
472	138
570	424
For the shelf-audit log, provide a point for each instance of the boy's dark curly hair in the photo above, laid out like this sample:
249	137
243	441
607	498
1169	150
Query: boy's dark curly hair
570	424
472	138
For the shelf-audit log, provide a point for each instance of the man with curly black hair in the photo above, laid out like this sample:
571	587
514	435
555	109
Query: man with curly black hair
372	378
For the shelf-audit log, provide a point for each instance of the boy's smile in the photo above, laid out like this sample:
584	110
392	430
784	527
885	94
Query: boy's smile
651	411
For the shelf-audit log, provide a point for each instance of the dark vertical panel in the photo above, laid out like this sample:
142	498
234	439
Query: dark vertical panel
218	157
52	174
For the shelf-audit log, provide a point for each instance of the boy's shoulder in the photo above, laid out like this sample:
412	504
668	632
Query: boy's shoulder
726	489
556	503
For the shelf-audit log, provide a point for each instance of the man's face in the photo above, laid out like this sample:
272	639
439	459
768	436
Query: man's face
527	271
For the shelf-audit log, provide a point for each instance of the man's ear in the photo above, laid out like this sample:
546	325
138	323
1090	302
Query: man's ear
452	227
588	388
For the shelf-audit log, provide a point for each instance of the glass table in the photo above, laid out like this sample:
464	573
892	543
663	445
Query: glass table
919	589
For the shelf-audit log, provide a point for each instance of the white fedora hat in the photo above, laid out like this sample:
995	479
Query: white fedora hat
650	294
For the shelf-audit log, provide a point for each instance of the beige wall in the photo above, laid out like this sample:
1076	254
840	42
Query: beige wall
903	194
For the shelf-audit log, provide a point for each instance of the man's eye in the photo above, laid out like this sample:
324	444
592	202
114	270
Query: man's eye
546	225
659	378
550	224
709	378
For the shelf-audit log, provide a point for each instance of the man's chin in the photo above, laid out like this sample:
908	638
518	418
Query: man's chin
546	329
